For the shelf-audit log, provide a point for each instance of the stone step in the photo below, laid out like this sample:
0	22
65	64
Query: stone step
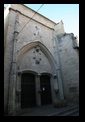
47	111
65	111
71	112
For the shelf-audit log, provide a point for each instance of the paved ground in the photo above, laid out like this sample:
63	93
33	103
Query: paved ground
46	110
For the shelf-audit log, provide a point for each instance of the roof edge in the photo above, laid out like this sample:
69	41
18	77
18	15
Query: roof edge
39	14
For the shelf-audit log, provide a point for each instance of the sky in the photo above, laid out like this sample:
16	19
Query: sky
68	13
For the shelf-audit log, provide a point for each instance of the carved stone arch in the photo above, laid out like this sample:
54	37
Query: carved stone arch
45	73
28	71
43	48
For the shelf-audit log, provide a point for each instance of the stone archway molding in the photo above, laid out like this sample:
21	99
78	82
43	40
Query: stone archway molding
43	48
46	73
28	71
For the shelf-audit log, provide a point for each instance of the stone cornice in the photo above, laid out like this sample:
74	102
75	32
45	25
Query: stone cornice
30	18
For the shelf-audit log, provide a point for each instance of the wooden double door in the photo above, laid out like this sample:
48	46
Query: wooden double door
28	90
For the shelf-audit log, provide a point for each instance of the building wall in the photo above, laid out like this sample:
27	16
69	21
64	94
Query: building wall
8	55
32	57
59	28
27	35
24	38
69	60
29	13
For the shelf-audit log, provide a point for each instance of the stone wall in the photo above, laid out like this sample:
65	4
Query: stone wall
38	62
69	60
29	13
8	55
59	28
30	33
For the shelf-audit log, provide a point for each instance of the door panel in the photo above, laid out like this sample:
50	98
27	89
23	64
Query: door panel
45	90
28	98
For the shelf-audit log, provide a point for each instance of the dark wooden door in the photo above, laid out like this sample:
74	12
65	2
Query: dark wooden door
45	90
28	97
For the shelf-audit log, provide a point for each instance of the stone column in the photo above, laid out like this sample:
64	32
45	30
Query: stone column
38	93
12	87
61	95
52	89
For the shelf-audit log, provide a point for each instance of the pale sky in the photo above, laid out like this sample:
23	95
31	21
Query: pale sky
68	13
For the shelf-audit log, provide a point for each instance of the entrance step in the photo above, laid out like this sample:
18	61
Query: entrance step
49	110
72	111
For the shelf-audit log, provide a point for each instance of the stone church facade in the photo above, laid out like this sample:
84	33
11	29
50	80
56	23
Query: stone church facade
41	62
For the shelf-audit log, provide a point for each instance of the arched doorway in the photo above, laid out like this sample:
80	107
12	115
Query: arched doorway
28	96
45	90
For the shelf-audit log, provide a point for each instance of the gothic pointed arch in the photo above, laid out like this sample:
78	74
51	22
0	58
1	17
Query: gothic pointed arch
43	48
